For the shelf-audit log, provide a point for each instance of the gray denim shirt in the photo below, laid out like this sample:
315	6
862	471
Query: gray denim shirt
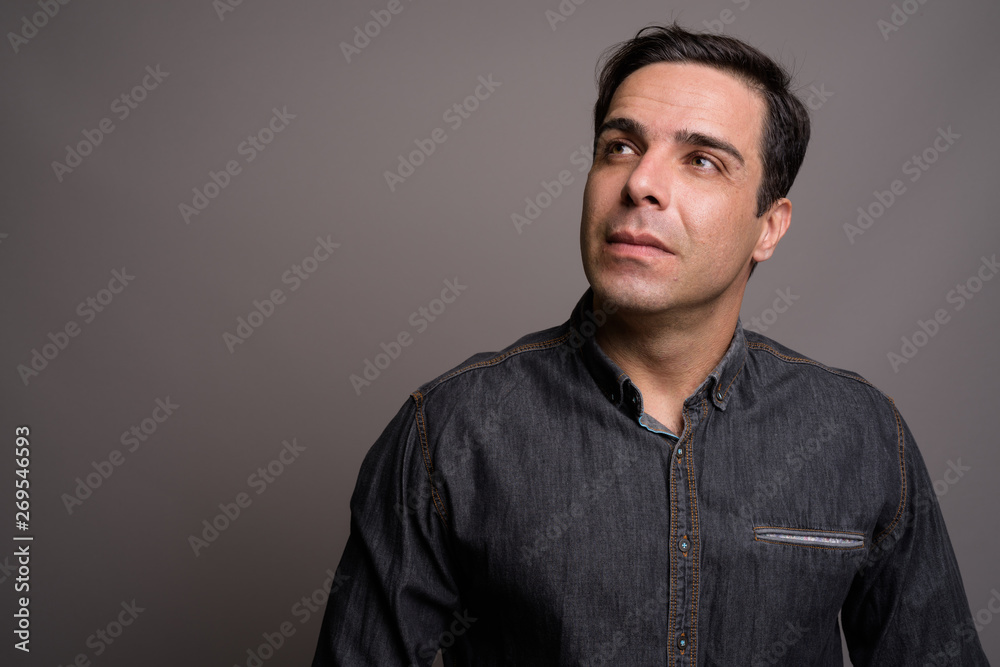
522	509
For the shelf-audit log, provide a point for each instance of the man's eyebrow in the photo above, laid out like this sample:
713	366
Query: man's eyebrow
687	137
623	124
698	139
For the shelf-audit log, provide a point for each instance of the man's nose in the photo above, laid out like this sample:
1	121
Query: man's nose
649	182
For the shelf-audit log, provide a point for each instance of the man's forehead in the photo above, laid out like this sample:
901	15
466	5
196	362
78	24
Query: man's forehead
668	93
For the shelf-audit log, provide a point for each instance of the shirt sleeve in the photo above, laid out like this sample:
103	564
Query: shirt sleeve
907	604
398	594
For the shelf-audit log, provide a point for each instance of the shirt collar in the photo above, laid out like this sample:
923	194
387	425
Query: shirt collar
615	383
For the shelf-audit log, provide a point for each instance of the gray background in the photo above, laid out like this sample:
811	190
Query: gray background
323	175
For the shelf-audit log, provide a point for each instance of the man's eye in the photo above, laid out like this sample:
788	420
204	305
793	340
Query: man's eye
611	148
702	161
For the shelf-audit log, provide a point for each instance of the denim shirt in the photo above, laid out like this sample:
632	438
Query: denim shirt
523	509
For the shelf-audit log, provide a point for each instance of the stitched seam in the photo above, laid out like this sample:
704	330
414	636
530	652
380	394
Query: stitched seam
672	619
809	546
428	464
673	561
696	543
729	386
492	361
902	479
802	360
811	530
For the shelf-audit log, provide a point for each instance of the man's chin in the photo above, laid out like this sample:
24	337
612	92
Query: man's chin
633	298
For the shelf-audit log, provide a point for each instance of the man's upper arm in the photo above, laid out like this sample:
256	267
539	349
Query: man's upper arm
907	605
398	594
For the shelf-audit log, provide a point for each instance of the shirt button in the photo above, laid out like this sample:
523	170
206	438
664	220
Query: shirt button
680	452
683	544
682	641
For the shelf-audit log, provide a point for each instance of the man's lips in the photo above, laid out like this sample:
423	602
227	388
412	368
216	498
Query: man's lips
637	244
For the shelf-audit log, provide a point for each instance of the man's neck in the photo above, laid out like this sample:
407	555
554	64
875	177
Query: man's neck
667	356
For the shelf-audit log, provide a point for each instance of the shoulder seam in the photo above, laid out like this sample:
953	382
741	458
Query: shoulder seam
802	360
492	361
901	440
425	451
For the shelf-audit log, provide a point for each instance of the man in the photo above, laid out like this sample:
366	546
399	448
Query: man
649	483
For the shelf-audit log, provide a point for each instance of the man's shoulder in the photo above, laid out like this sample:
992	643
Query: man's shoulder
777	362
515	362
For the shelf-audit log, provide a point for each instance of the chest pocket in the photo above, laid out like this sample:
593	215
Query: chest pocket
836	540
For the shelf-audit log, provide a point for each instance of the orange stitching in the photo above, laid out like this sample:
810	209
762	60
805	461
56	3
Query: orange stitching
729	386
902	477
497	359
696	543
428	464
852	376
811	530
673	561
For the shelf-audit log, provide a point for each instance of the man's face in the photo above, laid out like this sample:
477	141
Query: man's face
678	162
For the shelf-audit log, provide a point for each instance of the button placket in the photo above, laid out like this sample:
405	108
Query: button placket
684	584
681	570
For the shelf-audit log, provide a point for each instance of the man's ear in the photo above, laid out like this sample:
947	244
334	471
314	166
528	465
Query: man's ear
774	224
